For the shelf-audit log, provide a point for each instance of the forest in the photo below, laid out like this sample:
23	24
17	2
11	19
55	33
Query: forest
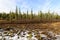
29	16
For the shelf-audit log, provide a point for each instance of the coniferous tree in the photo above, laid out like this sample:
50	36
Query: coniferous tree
24	15
20	14
4	16
16	13
0	16
31	14
27	15
57	16
52	16
41	15
10	17
7	17
38	16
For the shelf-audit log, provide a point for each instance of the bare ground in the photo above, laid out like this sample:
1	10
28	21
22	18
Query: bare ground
55	26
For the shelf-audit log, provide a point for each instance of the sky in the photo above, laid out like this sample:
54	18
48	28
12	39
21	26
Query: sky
35	5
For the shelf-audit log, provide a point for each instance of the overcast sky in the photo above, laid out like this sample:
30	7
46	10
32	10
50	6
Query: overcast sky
35	5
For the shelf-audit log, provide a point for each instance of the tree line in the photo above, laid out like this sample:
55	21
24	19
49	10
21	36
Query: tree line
18	15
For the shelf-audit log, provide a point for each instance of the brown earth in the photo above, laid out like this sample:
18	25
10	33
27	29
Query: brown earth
55	26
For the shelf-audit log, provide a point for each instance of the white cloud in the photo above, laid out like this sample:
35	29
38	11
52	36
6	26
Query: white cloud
7	5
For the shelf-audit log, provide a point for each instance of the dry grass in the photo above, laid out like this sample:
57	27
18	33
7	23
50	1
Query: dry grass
55	27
